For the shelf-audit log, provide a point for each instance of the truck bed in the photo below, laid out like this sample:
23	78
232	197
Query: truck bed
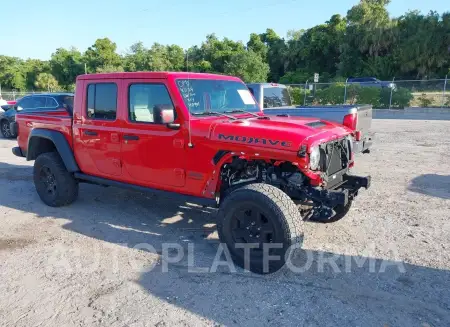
58	120
339	114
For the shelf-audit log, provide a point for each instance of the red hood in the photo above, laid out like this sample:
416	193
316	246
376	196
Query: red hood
273	132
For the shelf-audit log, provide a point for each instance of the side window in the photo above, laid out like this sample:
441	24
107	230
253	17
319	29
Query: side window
102	101
144	100
39	102
50	103
25	103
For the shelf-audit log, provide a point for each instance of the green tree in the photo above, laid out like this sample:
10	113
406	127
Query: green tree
102	54
66	65
276	54
256	45
423	44
46	81
247	65
12	73
137	59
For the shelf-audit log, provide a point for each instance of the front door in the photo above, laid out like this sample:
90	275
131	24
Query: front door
152	153
97	130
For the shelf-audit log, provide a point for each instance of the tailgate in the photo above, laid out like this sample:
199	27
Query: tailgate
364	119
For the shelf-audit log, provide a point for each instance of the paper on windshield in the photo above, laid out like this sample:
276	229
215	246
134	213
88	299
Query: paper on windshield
246	96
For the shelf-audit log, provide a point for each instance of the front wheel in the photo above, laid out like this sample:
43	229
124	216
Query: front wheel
54	184
6	130
259	223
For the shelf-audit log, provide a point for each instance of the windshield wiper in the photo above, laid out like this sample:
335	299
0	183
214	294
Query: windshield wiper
240	110
211	113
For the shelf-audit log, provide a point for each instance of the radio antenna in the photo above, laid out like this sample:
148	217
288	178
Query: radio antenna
190	145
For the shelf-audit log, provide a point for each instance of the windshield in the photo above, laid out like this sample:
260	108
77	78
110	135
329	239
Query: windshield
207	95
276	97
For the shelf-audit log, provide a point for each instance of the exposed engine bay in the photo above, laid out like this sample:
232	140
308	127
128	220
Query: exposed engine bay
315	203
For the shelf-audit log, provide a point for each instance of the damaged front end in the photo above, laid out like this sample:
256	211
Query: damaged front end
338	188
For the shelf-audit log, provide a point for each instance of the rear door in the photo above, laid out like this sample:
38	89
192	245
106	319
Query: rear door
97	130
152	153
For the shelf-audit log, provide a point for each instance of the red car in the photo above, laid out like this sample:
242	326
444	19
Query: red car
202	137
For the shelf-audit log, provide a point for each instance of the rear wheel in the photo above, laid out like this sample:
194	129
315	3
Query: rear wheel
263	219
54	184
6	130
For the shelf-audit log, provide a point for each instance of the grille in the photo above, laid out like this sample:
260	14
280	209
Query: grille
335	156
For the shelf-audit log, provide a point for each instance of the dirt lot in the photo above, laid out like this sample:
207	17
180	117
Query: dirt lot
386	264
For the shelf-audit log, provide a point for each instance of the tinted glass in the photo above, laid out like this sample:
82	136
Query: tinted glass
25	103
102	101
68	101
50	103
276	97
39	102
144	99
203	95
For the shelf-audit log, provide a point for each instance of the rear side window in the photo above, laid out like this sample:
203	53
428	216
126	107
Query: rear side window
50	103
102	101
39	102
276	97
68	101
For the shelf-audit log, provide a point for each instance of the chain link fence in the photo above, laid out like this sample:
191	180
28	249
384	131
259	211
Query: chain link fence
398	94
14	95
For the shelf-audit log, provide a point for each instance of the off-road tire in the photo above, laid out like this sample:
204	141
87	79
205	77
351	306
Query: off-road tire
279	209
66	186
6	130
340	212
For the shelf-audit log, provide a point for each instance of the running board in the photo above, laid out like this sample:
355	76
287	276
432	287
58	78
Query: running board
174	195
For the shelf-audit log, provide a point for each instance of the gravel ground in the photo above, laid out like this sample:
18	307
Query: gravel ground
386	264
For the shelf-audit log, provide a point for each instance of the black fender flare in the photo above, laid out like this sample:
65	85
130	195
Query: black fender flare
60	143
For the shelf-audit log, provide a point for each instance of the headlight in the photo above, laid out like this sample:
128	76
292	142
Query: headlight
314	158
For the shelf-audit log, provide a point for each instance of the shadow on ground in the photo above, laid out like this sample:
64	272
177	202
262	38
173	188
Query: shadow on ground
431	185
335	290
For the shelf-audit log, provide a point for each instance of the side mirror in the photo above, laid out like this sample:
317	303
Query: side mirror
6	107
165	114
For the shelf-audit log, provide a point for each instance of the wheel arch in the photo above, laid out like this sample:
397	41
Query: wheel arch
44	140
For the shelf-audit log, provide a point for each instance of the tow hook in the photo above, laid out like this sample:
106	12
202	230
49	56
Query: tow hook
320	213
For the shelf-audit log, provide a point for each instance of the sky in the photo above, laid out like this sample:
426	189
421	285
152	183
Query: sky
37	28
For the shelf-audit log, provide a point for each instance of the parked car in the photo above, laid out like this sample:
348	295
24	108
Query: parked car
57	102
201	137
371	82
276	100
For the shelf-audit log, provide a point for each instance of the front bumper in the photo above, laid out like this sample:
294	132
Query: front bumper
341	193
17	151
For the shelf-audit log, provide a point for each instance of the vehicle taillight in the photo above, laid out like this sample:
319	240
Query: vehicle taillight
350	121
358	135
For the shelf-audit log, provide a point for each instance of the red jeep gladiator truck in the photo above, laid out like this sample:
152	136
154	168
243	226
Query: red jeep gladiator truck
202	137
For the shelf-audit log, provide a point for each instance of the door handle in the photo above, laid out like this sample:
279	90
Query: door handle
131	137
90	133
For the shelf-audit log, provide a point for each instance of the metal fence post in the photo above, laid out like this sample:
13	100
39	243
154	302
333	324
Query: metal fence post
443	92
304	98
345	91
390	98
